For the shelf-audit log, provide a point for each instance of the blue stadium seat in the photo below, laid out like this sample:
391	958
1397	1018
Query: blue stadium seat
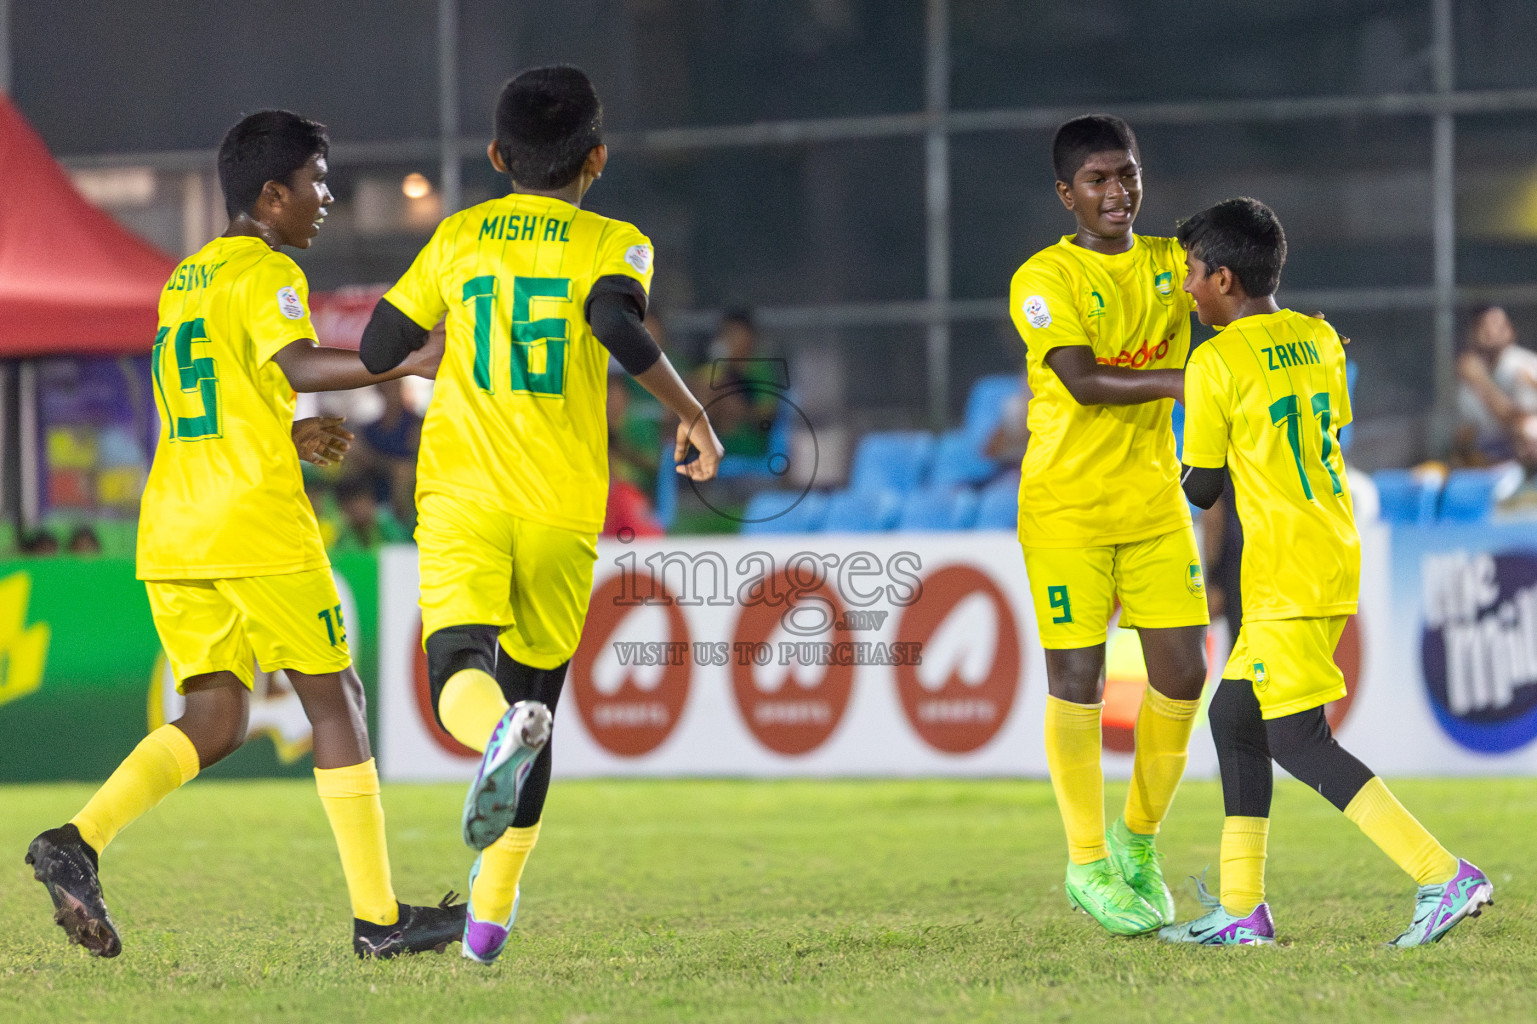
998	508
939	508
959	462
1352	371
869	511
893	461
1470	494
779	512
984	406
1177	421
1407	497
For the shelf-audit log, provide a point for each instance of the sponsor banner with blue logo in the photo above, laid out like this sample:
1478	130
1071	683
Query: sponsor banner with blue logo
1464	602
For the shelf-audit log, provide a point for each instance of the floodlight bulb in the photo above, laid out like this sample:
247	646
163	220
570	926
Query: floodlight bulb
416	186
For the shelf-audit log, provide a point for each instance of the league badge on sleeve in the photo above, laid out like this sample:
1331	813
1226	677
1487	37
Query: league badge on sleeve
639	257
1036	312
289	303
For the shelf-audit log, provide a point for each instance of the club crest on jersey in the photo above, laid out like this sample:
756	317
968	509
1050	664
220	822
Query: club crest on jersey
1195	580
639	257
1036	312
1163	284
1261	676
289	303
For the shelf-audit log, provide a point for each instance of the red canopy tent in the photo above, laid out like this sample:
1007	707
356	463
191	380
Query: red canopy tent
72	280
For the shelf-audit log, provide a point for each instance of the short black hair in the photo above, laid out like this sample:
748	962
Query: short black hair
1243	235
1082	137
547	121
269	145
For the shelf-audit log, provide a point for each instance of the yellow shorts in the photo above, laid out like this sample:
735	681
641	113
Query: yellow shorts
288	621
1290	662
486	567
1158	580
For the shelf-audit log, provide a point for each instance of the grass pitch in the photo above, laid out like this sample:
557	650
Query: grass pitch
748	901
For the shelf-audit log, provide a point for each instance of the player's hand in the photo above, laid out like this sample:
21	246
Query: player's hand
1318	315
707	449
322	439
424	361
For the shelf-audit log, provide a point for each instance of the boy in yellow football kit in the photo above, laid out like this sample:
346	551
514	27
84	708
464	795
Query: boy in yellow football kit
1266	399
229	548
1101	516
512	476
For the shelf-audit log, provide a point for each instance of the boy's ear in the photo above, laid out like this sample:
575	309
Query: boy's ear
1065	193
495	153
597	159
273	193
1227	281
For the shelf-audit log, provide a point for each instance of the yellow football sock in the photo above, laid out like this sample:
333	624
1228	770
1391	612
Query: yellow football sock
470	707
1388	824
1243	863
162	763
350	796
1072	754
501	867
1163	746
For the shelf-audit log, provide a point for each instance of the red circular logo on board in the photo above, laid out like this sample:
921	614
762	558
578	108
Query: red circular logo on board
421	689
1348	657
630	709
797	716
966	705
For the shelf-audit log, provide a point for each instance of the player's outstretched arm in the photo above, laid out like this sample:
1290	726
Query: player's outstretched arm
694	429
1091	383
389	338
309	367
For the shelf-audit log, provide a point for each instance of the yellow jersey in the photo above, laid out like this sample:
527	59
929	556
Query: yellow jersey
1266	397
225	496
1096	475
517	420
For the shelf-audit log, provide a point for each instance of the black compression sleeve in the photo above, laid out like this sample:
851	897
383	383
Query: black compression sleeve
616	308
1202	486
389	337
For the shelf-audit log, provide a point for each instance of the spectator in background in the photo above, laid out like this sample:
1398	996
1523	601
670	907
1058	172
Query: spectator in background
39	542
385	452
83	541
632	464
740	389
1496	391
364	525
1012	435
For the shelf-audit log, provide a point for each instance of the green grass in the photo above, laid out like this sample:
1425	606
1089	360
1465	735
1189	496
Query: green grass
746	901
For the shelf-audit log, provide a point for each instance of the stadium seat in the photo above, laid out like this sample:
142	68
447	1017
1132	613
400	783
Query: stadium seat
1407	497
893	461
985	404
869	511
1352	371
780	512
1177	421
958	462
998	507
1470	494
939	508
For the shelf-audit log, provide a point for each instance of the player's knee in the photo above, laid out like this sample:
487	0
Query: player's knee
454	649
1229	712
524	682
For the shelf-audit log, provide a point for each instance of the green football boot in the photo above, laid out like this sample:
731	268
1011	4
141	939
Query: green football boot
1135	860
1098	891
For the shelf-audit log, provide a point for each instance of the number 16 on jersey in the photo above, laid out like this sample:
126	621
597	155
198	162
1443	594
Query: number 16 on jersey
537	348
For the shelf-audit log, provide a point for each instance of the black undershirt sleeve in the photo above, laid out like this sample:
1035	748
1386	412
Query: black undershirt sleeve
616	310
389	337
1202	486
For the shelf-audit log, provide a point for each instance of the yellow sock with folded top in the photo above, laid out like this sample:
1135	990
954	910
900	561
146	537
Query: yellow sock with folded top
1163	746
350	796
501	868
1386	822
1243	863
162	763
470	706
1073	756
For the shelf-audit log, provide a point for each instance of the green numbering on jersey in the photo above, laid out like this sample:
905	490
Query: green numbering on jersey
538	347
336	629
1059	602
1285	411
194	376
